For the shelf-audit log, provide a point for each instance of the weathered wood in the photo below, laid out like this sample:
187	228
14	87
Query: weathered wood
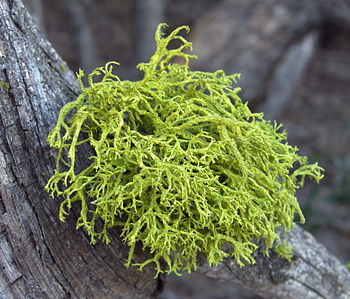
313	272
41	257
35	7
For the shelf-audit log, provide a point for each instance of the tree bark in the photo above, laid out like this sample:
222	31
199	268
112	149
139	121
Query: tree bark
313	272
41	257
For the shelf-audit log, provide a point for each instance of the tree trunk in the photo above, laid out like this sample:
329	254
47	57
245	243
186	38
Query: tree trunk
41	257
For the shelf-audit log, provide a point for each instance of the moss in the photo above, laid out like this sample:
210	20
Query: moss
179	162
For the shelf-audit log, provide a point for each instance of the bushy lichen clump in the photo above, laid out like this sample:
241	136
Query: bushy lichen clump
180	163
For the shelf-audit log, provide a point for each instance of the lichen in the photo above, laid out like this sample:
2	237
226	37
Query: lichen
284	250
4	84
179	162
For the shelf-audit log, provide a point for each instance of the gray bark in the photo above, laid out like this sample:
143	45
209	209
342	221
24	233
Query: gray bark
313	273
41	257
35	8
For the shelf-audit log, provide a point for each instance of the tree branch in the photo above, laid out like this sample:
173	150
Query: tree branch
41	257
313	272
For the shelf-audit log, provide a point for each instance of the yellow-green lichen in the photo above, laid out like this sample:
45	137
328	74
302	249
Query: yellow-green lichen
179	162
5	84
284	250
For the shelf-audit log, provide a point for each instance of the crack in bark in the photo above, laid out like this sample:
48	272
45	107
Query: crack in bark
308	287
10	285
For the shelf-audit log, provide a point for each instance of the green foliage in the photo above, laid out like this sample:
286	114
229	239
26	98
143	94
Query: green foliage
284	250
179	162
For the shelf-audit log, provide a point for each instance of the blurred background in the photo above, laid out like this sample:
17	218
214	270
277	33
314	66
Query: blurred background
294	57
